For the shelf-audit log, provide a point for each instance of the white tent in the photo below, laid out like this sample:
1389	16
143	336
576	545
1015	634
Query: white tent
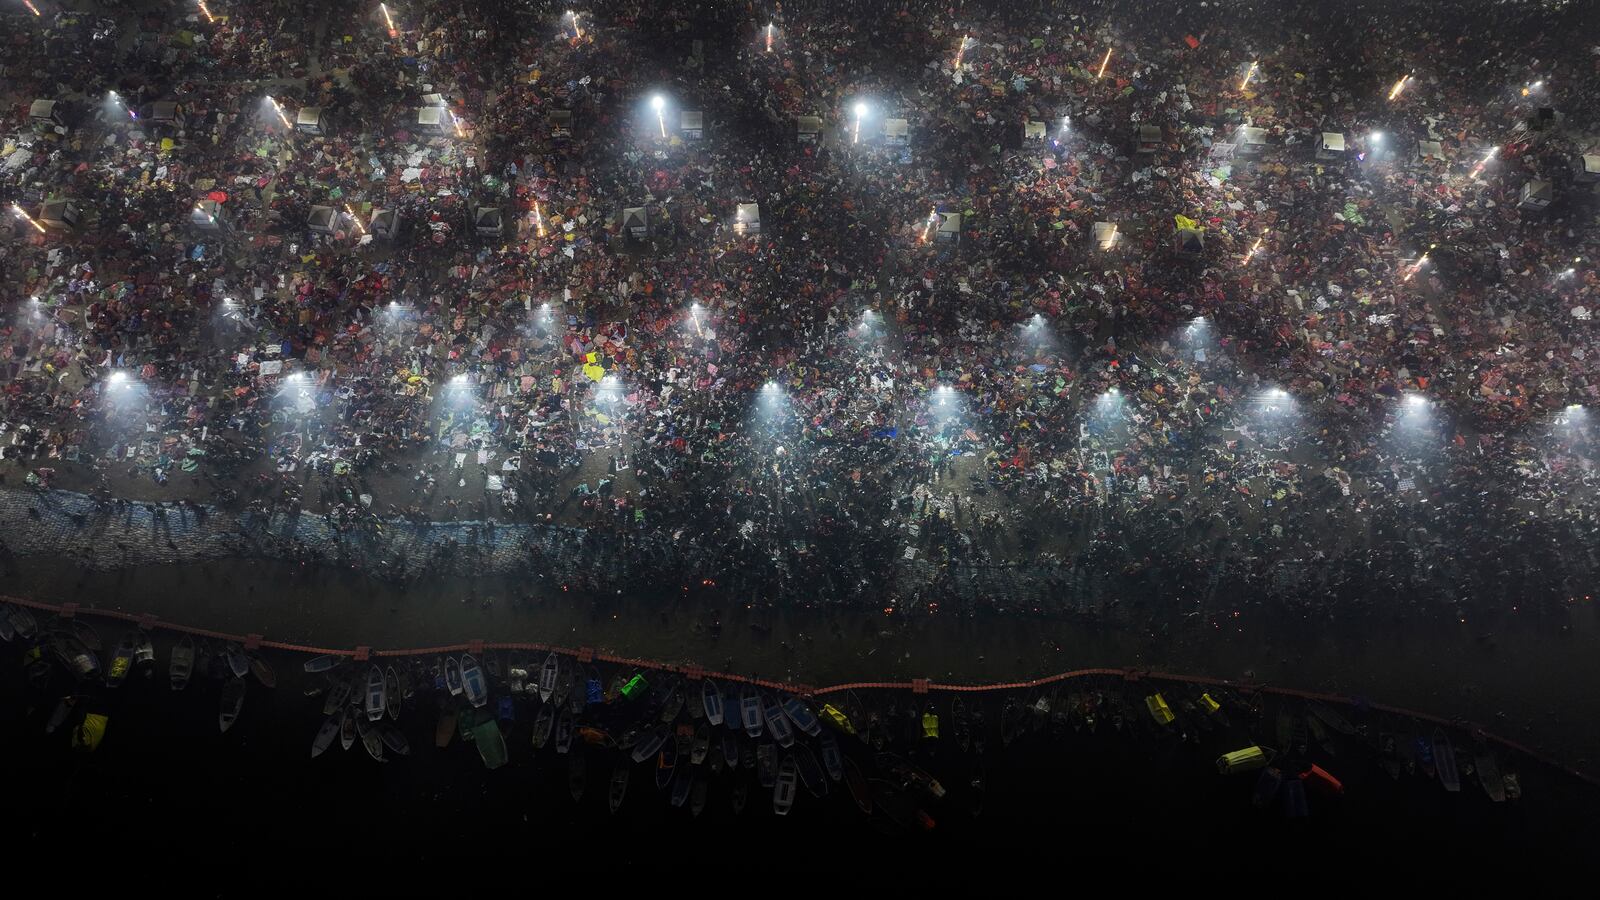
385	223
692	123
949	231
59	214
1331	145
1033	131
488	221
635	222
561	124
1105	235
433	120
208	215
747	219
808	129
1430	150
309	120
1535	195
322	220
1150	139
1588	168
1250	140
896	132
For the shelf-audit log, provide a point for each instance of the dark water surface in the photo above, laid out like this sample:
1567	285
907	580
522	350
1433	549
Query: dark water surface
1532	681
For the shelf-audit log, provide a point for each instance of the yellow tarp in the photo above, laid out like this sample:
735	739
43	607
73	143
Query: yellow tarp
1186	222
594	372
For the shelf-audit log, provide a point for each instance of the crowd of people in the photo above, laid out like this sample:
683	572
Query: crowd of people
1194	372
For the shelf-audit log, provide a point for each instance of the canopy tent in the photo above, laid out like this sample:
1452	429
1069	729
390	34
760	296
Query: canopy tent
322	220
1105	235
165	112
560	124
433	120
1250	140
1189	242
1331	145
635	222
747	219
1535	195
1430	150
1588	168
896	132
949	230
384	224
209	215
1149	139
488	221
48	115
310	120
692	123
1033	131
60	214
808	129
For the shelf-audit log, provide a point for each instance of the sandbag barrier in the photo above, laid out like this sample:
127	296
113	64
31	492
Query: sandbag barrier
916	686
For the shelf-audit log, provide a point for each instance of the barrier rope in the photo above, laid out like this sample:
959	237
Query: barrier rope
920	686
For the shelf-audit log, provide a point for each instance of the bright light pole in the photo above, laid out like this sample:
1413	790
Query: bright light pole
861	112
658	103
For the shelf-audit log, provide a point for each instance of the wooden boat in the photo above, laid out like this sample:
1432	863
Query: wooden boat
1444	760
445	730
491	743
1489	774
783	789
837	718
547	677
375	694
566	682
327	733
543	723
238	663
740	795
801	715
666	763
320	663
857	783
577	775
82	662
22	622
777	722
85	634
8	631
672	706
711	701
473	684
649	745
747	756
63	709
697	797
750	711
619	786
730	750
832	759
232	703
391	693
263	672
507	711
681	786
700	746
347	729
810	773
338	695
564	732
694	702
90	732
122	660
1011	721
394	740
370	739
766	764
452	675
1331	718
960	726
